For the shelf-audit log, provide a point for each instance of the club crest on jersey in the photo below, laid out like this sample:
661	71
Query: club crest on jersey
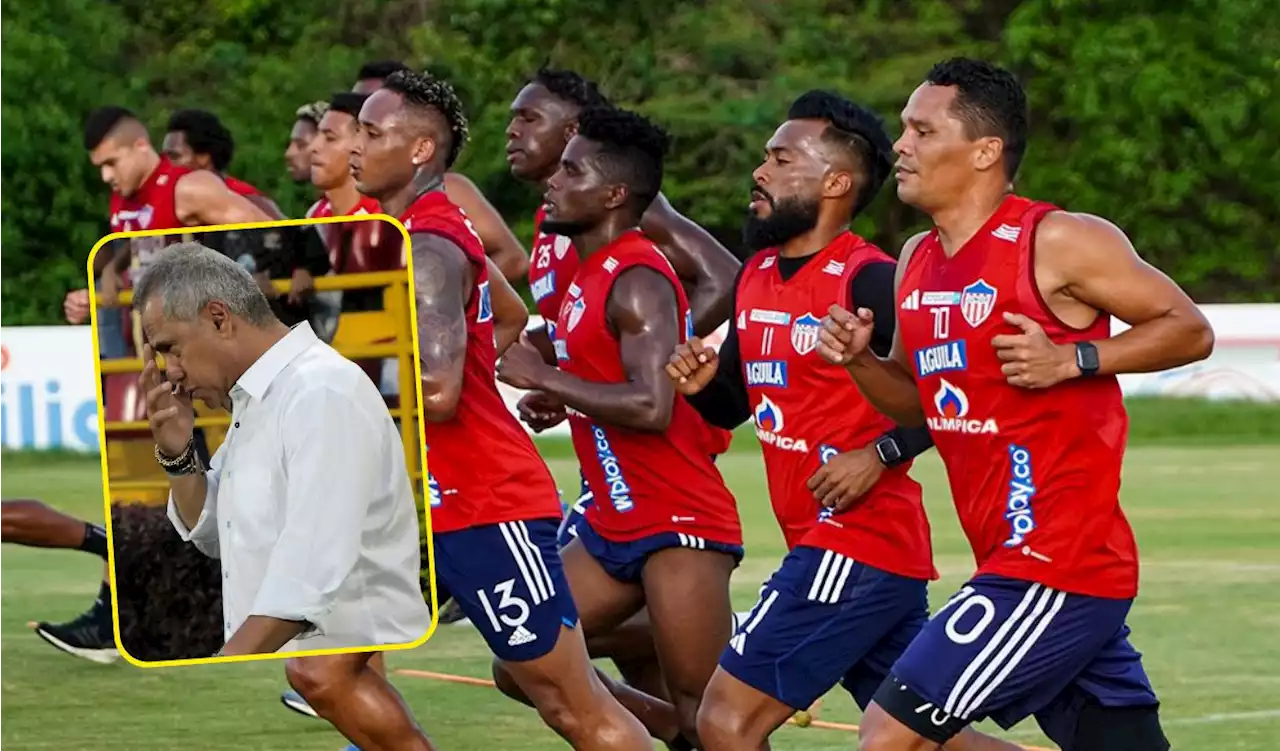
562	246
575	312
804	333
544	286
977	301
766	373
941	358
952	406
485	313
144	216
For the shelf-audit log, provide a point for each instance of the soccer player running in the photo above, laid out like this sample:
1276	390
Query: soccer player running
500	243
544	116
1003	350
663	531
852	592
493	501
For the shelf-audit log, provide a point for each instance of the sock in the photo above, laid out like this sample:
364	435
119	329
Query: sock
104	599
95	540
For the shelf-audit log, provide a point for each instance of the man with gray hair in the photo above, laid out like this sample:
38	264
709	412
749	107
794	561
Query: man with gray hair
307	502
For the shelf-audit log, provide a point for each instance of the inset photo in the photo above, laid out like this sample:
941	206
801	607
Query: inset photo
260	438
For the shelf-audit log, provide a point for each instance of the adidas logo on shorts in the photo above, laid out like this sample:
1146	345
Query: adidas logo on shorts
522	635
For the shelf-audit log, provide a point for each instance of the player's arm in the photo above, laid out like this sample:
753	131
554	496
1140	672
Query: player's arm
887	382
874	287
1089	259
642	310
330	447
723	401
510	316
202	199
267	206
442	276
697	258
500	243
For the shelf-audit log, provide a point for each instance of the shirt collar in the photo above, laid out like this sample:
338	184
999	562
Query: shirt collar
258	378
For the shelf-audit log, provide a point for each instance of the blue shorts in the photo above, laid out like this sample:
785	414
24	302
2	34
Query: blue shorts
509	581
1006	649
625	561
824	619
573	514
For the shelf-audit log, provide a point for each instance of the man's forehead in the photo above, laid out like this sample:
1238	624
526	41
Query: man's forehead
929	102
174	139
334	120
380	108
535	96
579	148
798	135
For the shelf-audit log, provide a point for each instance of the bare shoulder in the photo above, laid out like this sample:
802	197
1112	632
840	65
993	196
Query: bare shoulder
1066	241
199	182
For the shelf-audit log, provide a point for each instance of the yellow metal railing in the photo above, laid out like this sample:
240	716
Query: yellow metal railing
392	322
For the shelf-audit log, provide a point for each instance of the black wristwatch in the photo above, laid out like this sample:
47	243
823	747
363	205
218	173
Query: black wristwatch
889	451
1087	358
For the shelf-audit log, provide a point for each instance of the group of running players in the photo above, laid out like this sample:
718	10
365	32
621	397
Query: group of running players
988	339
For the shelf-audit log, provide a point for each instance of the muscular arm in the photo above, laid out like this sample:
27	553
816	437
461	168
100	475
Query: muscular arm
509	313
267	206
499	242
202	199
698	258
642	309
1088	261
887	382
442	277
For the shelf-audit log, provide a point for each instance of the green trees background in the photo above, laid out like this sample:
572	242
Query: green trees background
1161	115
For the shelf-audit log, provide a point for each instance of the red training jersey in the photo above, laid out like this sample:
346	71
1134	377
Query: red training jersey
482	466
552	267
807	411
356	247
1035	474
644	483
240	187
153	205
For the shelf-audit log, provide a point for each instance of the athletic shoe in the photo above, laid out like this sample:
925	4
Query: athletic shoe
89	637
293	700
451	614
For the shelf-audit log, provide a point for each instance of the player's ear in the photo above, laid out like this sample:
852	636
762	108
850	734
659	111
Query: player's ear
837	184
987	153
570	130
617	196
424	149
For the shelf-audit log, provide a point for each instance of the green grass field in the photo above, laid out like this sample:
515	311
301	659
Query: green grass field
1207	520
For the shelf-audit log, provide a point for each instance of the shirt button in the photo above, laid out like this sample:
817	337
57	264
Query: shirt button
228	525
237	423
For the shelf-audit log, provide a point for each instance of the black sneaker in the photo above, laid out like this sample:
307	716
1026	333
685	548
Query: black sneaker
90	636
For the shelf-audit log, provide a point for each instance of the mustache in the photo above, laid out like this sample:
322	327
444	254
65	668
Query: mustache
766	194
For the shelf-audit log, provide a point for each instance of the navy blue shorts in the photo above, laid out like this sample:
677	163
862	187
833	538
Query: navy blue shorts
1007	649
823	619
625	561
509	581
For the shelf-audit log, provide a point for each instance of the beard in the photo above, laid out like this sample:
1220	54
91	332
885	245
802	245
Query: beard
789	218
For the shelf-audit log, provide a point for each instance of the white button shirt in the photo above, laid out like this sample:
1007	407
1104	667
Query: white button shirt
309	507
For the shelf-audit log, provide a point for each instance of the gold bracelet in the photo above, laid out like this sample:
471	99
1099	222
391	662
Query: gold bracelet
181	459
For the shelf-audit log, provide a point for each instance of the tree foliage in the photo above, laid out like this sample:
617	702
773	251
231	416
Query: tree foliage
1159	116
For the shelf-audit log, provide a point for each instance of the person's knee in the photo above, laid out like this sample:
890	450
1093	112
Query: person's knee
318	680
721	725
686	704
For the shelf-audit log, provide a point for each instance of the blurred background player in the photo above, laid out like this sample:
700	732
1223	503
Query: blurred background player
500	243
197	139
544	117
494	522
1003	350
37	525
297	155
663	529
